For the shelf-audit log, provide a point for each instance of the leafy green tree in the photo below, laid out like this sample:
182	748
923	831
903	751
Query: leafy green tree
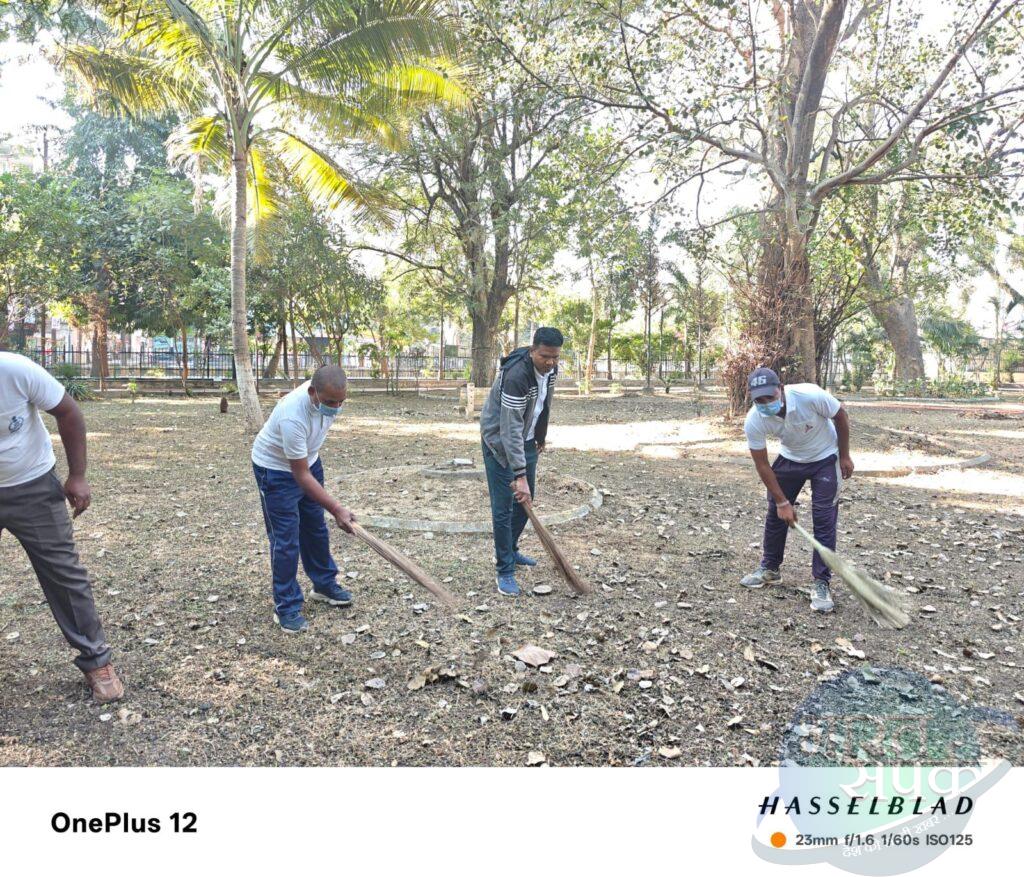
106	160
810	96
260	85
169	283
952	338
603	234
693	302
40	244
487	182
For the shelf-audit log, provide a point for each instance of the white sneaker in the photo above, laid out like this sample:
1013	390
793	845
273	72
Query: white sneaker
821	597
761	577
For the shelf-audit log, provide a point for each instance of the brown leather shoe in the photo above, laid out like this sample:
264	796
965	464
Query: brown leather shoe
105	684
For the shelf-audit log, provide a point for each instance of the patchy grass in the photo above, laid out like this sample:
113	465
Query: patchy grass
668	654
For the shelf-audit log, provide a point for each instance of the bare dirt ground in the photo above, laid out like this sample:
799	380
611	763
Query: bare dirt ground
669	662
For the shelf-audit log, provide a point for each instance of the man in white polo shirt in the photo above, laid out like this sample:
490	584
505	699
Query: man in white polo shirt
33	509
814	432
290	477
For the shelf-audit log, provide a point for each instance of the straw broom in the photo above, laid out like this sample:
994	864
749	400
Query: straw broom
413	570
561	562
879	601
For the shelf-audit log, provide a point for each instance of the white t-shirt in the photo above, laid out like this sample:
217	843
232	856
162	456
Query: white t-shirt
295	429
542	394
807	432
26	451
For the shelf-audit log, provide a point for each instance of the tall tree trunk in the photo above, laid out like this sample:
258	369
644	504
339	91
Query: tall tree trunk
611	323
440	355
19	329
588	371
485	336
784	277
700	329
661	344
184	354
802	359
270	368
899	321
295	346
239	312
595	304
648	309
100	317
780	316
42	334
515	337
315	351
997	345
100	352
94	364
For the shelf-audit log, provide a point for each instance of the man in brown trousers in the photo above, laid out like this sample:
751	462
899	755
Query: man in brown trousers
33	509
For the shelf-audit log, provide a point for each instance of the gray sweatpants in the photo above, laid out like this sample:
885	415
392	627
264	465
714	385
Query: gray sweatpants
36	514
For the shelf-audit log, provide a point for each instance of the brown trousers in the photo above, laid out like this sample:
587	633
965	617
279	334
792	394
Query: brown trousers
37	516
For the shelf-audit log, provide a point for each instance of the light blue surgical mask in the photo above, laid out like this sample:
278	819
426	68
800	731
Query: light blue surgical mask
326	410
769	408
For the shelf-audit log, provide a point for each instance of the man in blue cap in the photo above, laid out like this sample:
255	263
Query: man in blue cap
814	431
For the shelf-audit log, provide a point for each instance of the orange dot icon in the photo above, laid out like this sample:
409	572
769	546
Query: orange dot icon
778	839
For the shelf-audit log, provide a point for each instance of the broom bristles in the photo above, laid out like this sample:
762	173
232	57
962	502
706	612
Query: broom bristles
413	570
880	602
561	562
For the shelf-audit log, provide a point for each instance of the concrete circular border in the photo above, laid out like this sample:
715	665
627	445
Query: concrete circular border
422	525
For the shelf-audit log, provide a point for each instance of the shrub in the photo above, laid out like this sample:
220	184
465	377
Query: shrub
229	389
74	385
66	370
133	390
943	388
738	362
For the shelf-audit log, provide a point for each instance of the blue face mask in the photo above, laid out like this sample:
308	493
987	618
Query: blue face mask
769	407
326	410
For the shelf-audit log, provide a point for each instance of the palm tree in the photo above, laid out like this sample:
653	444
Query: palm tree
260	85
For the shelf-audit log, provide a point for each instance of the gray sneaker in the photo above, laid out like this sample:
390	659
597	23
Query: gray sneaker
821	597
761	577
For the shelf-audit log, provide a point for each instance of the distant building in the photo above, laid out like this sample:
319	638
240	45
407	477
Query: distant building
15	157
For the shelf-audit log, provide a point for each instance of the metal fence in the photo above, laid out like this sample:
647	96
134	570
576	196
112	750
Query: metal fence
671	370
218	365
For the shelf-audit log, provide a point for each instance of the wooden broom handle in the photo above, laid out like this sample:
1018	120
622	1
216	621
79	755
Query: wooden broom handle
405	564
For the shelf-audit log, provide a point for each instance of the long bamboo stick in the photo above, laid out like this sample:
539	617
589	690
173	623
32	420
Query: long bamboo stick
413	570
561	562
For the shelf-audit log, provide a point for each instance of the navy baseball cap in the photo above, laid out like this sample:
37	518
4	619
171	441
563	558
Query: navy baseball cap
762	382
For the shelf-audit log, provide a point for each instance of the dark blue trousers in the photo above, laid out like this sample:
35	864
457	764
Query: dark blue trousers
296	529
507	515
825	479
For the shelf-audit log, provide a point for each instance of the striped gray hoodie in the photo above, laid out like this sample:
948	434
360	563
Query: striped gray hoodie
509	407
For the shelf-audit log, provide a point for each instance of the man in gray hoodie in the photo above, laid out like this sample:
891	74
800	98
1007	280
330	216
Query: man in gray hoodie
513	427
